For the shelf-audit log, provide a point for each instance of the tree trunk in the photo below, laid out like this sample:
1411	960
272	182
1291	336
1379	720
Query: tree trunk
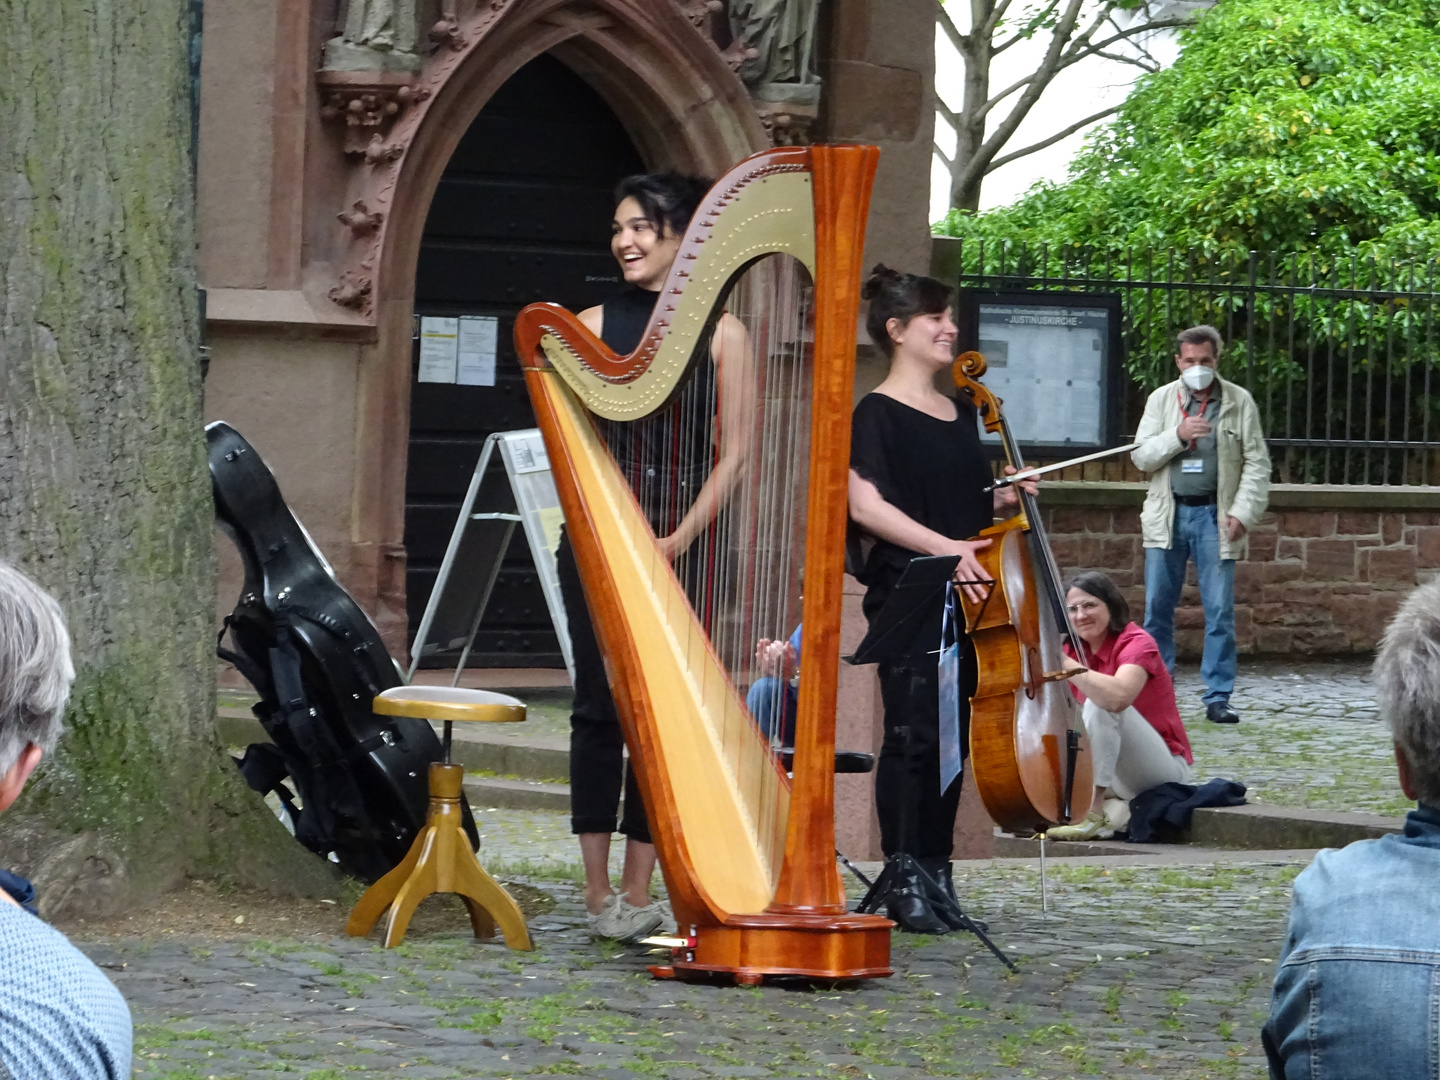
104	493
970	124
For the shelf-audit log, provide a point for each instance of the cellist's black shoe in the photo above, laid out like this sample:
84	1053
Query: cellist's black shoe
1220	712
943	873
908	906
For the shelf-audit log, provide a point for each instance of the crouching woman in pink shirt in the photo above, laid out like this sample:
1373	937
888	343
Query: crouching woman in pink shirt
1137	739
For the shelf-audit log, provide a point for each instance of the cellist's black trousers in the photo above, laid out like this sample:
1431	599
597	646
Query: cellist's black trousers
915	817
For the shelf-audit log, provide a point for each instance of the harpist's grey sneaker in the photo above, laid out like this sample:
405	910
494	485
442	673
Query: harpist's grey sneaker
623	921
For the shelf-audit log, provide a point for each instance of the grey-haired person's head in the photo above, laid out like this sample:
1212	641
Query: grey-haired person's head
1407	687
35	667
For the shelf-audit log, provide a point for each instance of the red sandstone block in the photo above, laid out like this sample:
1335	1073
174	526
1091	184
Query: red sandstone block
1274	640
1357	524
1287	548
1307	523
1330	560
1314	641
1267	613
1278	572
1392	527
1244	623
1122	553
1081	519
1189	618
1125	522
1317	614
1422	517
1395	564
1249	578
1066	550
1365	622
1189	644
1427	546
1263	544
1300	592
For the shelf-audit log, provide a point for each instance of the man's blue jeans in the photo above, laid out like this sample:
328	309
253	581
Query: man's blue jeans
1194	534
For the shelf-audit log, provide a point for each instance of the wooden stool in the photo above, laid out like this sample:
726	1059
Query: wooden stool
440	860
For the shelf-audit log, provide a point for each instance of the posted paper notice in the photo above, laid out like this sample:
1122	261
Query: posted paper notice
439	349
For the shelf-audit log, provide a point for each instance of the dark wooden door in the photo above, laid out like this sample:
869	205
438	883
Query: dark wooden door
521	214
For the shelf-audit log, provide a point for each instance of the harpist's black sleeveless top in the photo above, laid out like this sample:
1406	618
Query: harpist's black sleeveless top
667	456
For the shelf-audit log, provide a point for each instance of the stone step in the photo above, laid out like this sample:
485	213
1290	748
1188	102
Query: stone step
485	792
476	746
1259	825
1252	827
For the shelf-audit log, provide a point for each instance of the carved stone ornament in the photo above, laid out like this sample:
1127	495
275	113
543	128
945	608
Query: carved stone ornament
381	111
352	292
359	219
367	102
787	122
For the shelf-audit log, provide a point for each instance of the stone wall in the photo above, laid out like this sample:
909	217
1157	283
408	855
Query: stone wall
1325	569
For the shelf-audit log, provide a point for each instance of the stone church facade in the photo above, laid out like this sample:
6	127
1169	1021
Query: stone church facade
327	127
364	162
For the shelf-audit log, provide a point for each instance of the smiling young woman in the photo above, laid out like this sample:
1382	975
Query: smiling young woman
918	474
1137	739
693	451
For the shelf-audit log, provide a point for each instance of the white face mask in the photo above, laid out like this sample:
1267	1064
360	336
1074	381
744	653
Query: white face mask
1198	376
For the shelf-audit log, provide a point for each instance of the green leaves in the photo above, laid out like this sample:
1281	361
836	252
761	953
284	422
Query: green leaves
1286	125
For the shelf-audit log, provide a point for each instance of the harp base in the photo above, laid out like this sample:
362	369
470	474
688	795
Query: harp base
750	948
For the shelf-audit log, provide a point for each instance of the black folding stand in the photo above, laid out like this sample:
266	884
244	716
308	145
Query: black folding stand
916	598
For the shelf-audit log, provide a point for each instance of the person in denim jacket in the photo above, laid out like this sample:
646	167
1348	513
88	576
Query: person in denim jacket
1358	989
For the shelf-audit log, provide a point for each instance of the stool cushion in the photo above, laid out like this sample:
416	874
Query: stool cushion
449	703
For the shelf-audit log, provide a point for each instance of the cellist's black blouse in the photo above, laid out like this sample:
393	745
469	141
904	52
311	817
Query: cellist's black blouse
933	471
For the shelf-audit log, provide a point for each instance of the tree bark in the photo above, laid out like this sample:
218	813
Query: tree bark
104	492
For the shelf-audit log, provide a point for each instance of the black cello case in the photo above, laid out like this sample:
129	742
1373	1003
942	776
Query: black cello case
317	661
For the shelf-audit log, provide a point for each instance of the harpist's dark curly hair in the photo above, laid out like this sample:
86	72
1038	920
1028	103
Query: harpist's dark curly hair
894	295
668	199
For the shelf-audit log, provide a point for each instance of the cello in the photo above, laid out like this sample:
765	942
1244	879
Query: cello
1027	738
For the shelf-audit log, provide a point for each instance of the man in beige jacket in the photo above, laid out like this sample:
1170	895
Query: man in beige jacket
1201	443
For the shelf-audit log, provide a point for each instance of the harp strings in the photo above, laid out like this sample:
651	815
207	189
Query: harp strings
743	571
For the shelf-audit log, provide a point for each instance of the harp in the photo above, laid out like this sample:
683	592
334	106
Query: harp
745	832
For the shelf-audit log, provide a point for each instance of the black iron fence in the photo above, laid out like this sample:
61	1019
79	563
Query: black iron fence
1341	355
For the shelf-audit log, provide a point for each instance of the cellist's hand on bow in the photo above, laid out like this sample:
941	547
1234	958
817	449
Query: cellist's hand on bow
1070	666
973	578
1006	500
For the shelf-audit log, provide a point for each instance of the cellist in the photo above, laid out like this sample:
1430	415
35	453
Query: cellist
918	474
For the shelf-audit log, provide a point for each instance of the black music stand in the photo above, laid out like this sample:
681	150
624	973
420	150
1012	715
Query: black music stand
917	596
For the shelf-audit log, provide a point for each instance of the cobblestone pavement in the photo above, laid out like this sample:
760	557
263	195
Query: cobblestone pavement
1135	971
1310	735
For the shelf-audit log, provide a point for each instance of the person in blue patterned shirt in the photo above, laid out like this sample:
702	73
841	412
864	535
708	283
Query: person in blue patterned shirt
59	1016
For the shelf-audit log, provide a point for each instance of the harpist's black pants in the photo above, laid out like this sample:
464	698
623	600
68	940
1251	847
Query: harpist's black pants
914	816
597	745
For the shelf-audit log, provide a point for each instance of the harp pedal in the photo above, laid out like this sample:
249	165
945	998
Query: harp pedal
668	942
662	971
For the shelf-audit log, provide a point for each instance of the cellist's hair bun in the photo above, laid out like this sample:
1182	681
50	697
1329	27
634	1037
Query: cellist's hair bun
894	295
880	276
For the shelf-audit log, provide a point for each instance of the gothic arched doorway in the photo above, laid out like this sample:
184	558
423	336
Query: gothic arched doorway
521	213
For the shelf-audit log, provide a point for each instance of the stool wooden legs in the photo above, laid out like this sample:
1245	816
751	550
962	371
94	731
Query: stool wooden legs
440	860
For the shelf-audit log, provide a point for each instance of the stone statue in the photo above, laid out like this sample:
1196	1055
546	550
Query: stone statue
782	33
379	35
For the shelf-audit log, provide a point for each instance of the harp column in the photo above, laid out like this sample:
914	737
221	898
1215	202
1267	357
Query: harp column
842	178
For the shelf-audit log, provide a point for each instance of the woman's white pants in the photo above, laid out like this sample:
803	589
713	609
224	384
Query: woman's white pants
1127	755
